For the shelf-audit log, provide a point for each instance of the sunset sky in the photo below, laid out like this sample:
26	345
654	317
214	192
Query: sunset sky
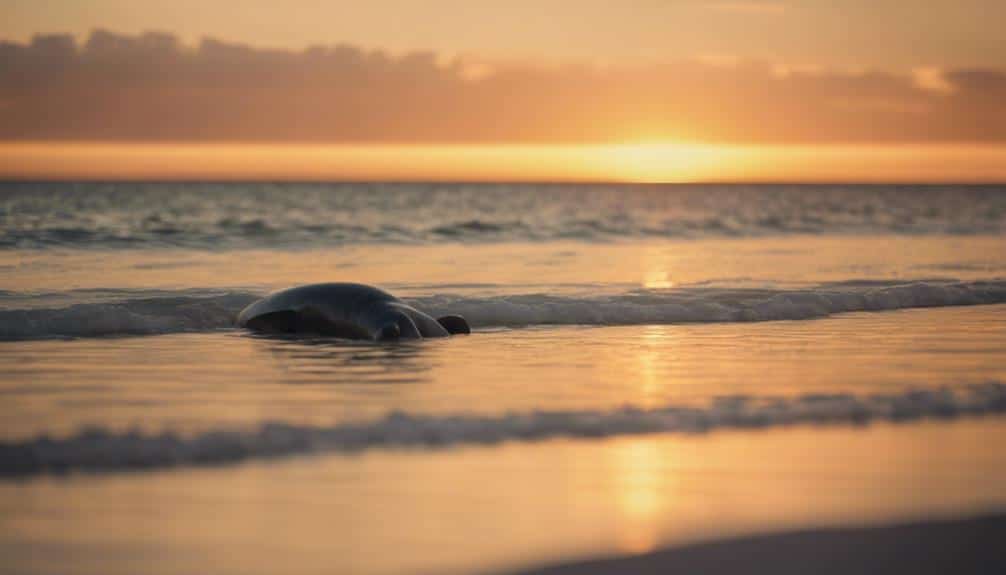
671	90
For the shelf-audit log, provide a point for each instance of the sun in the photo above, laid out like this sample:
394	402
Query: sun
663	162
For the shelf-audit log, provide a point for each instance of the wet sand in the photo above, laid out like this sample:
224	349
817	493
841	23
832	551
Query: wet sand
959	546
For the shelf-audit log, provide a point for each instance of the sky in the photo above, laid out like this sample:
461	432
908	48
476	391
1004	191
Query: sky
885	34
676	89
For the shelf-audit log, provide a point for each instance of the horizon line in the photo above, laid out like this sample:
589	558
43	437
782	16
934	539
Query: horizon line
640	161
4	180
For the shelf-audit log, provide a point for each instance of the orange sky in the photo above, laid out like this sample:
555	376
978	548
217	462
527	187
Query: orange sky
883	34
669	90
640	162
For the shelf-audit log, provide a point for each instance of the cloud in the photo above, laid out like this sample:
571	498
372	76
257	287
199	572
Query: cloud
152	87
930	78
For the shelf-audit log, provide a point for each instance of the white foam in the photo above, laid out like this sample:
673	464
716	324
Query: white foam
704	304
132	314
191	310
99	449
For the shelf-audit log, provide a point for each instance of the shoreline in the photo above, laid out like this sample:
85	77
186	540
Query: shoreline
971	545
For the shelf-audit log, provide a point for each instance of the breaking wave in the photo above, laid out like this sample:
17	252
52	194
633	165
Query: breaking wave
126	313
98	449
146	313
704	304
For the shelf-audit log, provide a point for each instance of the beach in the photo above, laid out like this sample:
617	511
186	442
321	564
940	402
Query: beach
658	377
968	546
502	288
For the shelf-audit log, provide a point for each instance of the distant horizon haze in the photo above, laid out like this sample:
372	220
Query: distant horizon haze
652	162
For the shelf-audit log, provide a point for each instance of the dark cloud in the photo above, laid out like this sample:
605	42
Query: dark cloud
151	87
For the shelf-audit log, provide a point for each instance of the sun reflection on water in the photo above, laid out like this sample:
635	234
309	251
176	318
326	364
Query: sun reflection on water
656	272
657	279
642	493
641	481
657	343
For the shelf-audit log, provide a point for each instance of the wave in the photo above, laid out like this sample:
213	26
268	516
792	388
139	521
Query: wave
98	449
705	304
137	313
204	216
125	313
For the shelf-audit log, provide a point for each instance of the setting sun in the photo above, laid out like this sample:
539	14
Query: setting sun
664	161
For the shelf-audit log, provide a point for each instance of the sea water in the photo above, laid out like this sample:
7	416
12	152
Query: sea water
648	365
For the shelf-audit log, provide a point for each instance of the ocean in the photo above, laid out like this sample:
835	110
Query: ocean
650	365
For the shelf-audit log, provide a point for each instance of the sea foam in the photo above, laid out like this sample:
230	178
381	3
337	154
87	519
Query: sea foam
136	313
102	450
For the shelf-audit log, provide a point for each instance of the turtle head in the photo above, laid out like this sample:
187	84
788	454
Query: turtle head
454	324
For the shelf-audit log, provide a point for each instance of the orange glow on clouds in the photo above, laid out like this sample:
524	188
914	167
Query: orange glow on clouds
630	162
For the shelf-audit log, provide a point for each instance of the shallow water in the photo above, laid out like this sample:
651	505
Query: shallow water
649	365
200	382
485	509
